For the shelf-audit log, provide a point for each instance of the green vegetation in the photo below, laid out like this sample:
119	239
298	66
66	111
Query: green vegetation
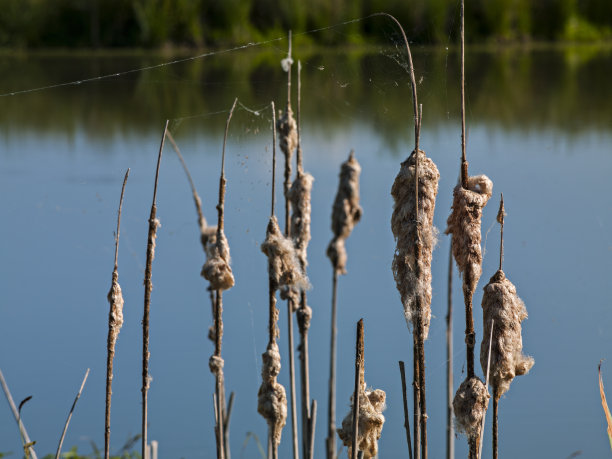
197	23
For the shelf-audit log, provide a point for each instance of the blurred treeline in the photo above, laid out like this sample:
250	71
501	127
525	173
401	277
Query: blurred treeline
197	23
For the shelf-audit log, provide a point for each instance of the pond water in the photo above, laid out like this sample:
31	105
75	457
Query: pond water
539	125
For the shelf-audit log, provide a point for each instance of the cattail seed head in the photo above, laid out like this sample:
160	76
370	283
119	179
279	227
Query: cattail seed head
501	304
115	320
470	406
299	195
346	212
217	268
370	423
283	265
464	224
272	400
408	232
287	130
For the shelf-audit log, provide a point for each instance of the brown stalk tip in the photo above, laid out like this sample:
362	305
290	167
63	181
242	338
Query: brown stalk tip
470	406
464	224
346	212
408	233
501	304
272	400
501	213
283	264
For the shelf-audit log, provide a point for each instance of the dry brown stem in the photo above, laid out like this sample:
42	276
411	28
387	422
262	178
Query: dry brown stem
115	321
152	235
362	426
76	399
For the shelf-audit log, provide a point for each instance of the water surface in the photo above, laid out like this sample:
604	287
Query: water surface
539	125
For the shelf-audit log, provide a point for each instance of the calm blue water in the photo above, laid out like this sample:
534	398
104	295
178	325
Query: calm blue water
63	153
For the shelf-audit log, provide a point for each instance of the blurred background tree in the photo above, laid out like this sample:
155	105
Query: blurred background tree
213	23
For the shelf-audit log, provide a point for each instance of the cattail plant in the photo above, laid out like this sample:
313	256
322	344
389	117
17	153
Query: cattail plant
208	238
115	321
346	212
152	235
362	426
414	193
288	139
299	195
464	222
218	272
208	234
284	273
501	304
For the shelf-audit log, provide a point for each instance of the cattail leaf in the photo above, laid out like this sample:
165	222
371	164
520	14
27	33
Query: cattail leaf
23	402
605	405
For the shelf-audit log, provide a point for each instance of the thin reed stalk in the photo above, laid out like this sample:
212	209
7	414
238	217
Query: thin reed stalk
450	427
299	194
346	212
415	237
362	426
76	399
287	128
284	273
153	225
22	429
218	272
406	416
115	321
331	407
359	381
464	223
500	303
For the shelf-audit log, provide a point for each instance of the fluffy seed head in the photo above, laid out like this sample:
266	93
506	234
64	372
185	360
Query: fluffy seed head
115	320
370	423
299	195
404	229
501	304
287	130
464	224
217	268
283	265
272	400
470	406
346	212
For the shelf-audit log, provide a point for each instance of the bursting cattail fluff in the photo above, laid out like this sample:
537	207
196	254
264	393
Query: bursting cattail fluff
405	231
470	406
272	400
501	304
464	225
115	319
217	268
370	423
287	130
346	212
299	195
283	265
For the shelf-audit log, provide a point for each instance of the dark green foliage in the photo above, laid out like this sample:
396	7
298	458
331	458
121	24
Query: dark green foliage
195	23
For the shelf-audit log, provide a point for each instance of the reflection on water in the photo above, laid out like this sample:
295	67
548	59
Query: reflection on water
512	88
539	126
